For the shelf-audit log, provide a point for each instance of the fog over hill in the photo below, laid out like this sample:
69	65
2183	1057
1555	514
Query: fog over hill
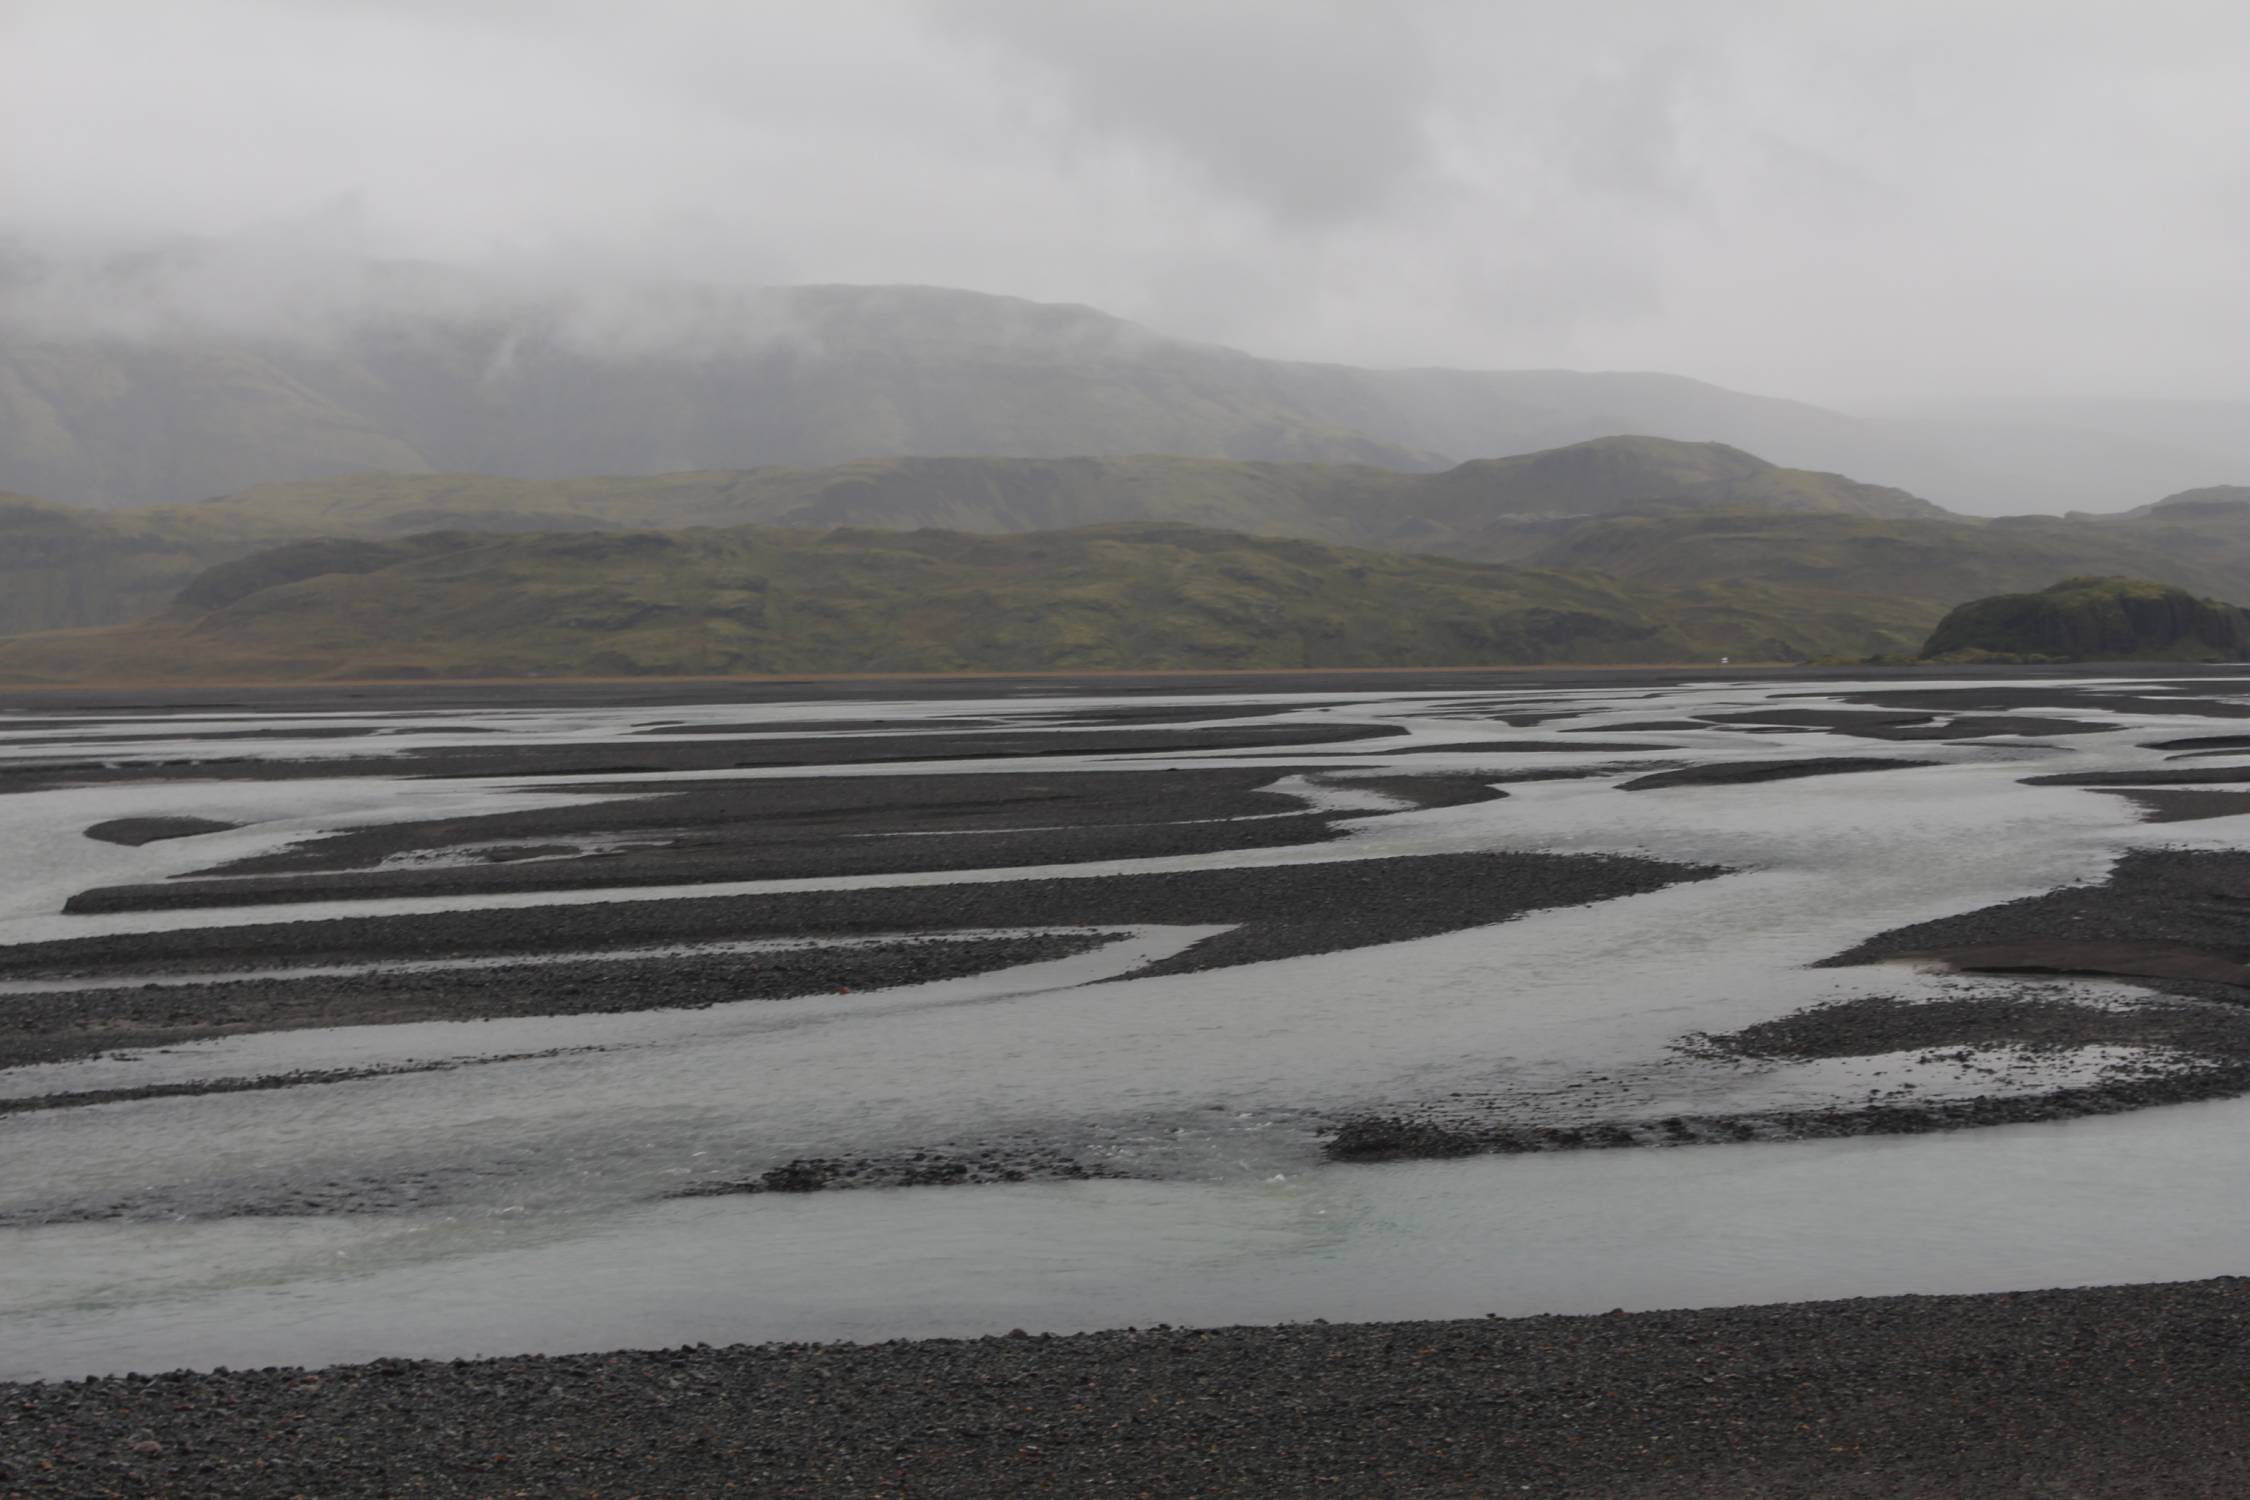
200	370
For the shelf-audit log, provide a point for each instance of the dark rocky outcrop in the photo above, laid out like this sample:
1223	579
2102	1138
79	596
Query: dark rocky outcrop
2079	619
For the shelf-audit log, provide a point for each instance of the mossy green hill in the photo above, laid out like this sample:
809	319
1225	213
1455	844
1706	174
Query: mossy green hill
2094	619
1928	562
1708	550
753	600
1346	503
62	568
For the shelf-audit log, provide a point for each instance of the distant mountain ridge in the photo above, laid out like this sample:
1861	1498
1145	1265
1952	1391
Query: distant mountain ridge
2210	500
440	373
807	376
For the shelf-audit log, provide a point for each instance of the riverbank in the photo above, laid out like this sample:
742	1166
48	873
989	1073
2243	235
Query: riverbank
2092	1393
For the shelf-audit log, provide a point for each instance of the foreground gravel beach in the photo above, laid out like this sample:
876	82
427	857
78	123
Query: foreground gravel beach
2115	1391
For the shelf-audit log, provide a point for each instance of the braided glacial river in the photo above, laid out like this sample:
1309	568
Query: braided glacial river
563	1179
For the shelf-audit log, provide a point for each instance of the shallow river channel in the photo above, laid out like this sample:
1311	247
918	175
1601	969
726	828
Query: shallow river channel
526	1181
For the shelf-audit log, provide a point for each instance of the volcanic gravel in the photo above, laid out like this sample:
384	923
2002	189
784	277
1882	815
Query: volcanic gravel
1019	1161
255	1084
2201	742
2183	806
2161	915
138	831
56	1025
2107	1393
712	753
2154	776
298	732
1524	747
1999	699
2193	1049
1643	726
795	829
1875	1024
1160	714
1875	725
1282	911
742	727
1746	772
1174	713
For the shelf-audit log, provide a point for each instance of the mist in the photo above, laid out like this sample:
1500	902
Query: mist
1875	207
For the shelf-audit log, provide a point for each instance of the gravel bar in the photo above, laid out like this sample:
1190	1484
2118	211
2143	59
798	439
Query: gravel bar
2182	1049
1752	772
1283	911
2109	1393
61	1025
2165	916
134	832
792	829
634	756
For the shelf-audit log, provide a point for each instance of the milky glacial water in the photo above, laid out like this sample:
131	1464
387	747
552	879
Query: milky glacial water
2160	1195
550	1229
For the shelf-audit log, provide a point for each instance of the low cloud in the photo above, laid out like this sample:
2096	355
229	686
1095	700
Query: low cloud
1814	199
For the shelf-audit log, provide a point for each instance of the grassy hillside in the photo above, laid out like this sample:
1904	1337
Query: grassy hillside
1945	560
1894	576
1629	474
755	600
1715	551
61	567
1338	502
2210	525
2215	500
122	564
2095	619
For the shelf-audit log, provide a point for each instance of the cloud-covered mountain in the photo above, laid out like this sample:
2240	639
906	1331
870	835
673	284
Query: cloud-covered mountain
173	379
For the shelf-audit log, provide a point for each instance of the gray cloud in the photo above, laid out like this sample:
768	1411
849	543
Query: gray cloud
1311	109
2045	197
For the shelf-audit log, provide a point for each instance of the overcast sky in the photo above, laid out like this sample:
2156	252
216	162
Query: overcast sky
1824	198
